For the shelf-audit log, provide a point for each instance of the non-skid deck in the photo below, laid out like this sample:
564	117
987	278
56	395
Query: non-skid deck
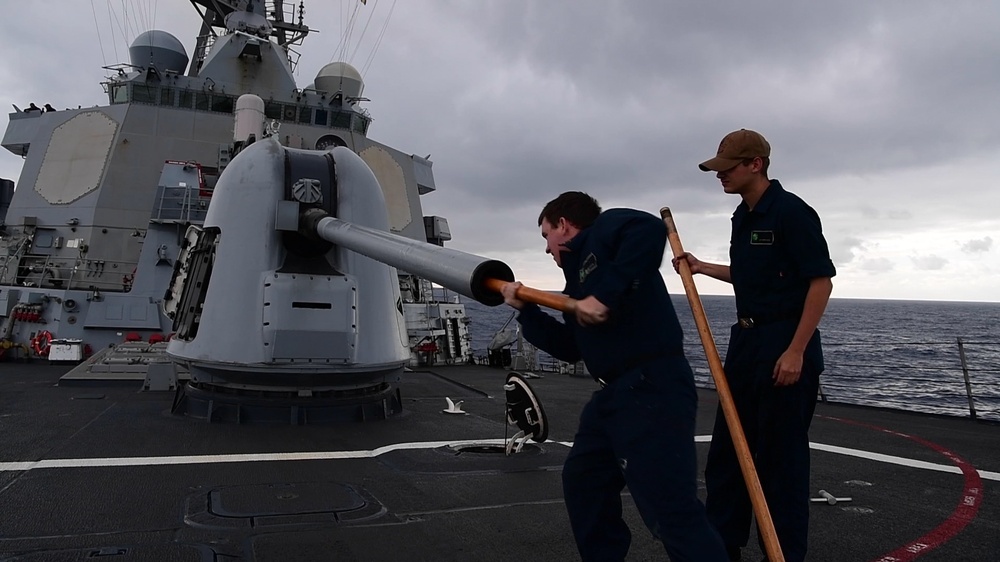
107	473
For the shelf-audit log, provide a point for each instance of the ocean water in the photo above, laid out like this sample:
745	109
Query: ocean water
887	353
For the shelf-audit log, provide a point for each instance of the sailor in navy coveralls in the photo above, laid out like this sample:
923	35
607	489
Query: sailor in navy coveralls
638	428
780	269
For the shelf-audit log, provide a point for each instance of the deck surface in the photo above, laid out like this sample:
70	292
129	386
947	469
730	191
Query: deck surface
106	472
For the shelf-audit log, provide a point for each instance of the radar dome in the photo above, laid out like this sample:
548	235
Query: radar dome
159	49
340	77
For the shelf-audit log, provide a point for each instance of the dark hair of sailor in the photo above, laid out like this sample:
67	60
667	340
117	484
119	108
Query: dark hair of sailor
577	207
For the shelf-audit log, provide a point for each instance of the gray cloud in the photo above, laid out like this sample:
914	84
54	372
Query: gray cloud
870	121
930	263
844	250
877	265
978	246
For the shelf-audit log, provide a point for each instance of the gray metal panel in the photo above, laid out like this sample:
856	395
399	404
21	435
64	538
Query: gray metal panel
141	120
123	311
216	127
307	344
8	298
391	178
323	310
176	124
22	129
287	216
423	174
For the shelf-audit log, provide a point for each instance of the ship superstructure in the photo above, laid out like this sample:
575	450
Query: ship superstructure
106	194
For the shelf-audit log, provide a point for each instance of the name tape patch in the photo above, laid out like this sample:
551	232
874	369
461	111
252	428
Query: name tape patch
762	237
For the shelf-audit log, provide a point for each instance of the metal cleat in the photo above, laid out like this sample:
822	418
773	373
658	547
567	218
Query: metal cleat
828	498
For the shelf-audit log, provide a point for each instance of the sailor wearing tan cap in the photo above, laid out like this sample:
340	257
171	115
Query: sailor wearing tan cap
781	273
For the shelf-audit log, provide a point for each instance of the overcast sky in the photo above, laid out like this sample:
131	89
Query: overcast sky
884	116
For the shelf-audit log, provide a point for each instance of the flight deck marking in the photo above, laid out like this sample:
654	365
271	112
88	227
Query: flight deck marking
964	513
240	457
903	461
369	454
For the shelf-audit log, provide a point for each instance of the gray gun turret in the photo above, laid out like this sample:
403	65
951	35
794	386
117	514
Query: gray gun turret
290	289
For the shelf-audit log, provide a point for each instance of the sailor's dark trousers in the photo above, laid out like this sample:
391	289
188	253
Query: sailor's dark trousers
639	431
775	421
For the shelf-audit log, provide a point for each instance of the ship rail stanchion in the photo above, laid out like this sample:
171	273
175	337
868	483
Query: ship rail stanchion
764	522
965	373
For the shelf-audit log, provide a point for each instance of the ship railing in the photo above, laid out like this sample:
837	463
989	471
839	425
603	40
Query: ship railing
310	110
13	257
958	377
82	274
283	12
181	204
203	45
293	56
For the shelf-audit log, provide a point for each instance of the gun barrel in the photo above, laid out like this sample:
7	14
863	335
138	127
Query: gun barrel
458	271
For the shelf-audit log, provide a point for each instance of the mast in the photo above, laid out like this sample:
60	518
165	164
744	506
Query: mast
286	31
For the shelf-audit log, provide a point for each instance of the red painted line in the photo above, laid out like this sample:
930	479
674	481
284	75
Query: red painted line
963	514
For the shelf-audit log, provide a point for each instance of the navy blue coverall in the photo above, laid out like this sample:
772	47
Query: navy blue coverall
638	430
775	250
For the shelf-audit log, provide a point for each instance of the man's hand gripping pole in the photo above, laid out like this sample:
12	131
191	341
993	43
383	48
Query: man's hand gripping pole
542	298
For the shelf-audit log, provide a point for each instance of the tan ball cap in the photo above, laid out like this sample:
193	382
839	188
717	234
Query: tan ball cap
736	147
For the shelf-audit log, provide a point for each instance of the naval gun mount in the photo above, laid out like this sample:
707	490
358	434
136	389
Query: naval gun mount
286	305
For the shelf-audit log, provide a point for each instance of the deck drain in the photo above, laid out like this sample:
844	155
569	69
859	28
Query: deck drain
489	449
112	551
480	449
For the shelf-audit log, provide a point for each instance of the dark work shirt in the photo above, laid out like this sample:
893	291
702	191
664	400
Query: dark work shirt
616	260
775	250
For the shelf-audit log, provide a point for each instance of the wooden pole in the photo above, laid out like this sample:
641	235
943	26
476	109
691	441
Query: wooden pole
543	298
764	522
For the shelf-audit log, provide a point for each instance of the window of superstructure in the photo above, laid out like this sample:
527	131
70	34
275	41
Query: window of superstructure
305	115
341	120
166	96
288	113
119	93
144	93
272	110
360	124
222	104
186	99
201	101
321	116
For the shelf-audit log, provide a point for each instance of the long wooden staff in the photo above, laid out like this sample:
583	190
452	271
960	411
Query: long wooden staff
527	294
764	522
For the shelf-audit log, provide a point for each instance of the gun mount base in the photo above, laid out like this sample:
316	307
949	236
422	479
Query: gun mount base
226	404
